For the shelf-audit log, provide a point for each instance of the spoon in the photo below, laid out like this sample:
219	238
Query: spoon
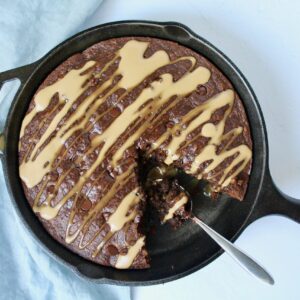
243	259
189	185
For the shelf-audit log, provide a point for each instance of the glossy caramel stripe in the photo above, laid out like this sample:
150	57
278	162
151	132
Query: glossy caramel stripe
125	261
87	223
183	200
117	220
83	244
115	225
106	238
232	134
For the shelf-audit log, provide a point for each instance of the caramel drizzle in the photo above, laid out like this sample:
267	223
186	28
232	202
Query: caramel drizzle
118	219
122	180
197	117
67	90
125	261
48	154
133	68
181	201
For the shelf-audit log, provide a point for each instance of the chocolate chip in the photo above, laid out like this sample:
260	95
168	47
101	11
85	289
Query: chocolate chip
117	78
112	250
115	112
53	176
202	90
170	124
46	164
51	189
86	204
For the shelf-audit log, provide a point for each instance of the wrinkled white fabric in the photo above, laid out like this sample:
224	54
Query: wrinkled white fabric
28	30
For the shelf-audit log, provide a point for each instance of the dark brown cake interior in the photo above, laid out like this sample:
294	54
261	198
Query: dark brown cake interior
163	192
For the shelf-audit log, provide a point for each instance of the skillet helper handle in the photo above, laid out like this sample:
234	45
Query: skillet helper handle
273	201
21	73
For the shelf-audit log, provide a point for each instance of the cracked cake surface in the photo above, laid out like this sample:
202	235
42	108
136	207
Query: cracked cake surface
88	121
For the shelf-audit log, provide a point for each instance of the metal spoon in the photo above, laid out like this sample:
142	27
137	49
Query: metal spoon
188	185
243	259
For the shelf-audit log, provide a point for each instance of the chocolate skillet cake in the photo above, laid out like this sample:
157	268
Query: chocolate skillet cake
103	111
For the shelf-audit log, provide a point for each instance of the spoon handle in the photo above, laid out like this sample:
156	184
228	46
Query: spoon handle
238	255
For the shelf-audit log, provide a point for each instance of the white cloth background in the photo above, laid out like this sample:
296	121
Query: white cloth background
262	38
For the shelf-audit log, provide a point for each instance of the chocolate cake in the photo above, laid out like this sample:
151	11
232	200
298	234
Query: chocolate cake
94	117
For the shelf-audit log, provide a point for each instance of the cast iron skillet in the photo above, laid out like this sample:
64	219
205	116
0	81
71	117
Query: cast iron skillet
174	253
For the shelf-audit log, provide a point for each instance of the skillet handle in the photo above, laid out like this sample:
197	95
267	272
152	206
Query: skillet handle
273	201
21	73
